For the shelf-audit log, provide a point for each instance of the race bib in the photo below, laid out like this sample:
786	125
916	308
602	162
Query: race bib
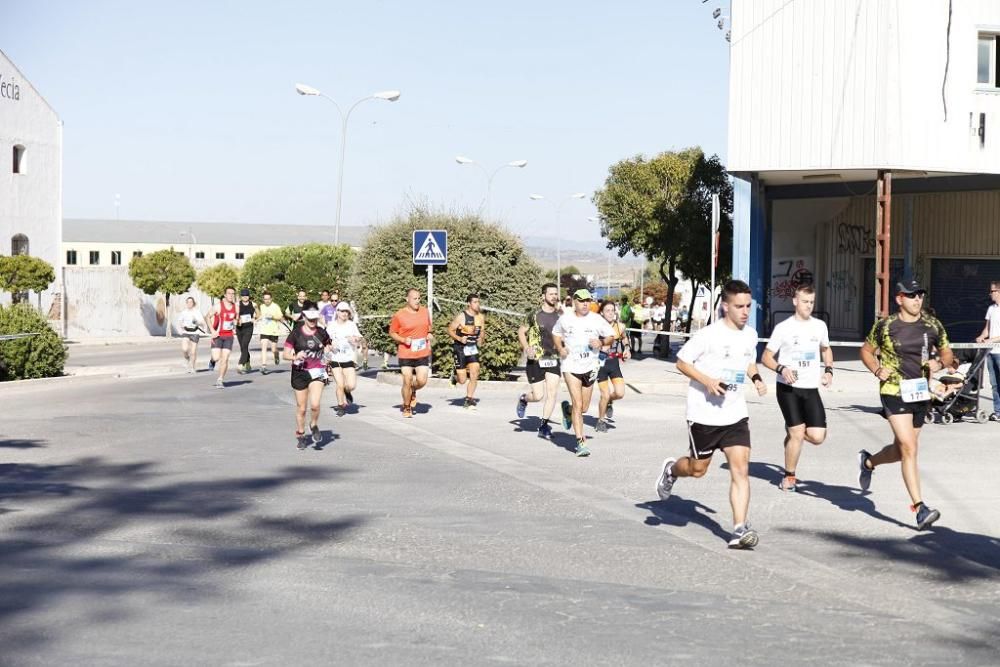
417	344
246	318
548	363
914	391
806	364
317	373
582	352
228	325
470	350
733	378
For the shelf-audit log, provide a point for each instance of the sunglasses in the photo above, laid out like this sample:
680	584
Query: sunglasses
914	295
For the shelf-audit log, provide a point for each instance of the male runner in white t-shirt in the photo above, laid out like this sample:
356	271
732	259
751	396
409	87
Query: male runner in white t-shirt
719	359
804	362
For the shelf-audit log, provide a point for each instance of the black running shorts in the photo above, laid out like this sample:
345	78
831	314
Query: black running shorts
273	339
415	363
705	439
222	343
461	360
586	379
801	406
894	405
611	370
536	373
301	379
341	364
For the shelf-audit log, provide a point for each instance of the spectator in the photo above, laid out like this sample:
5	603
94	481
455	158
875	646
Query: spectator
991	334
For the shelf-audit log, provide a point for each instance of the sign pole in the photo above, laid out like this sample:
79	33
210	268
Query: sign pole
714	254
430	310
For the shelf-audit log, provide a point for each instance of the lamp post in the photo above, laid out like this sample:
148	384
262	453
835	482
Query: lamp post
558	208
192	240
516	164
607	294
388	95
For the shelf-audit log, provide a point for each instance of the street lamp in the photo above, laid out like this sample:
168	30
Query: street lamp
517	164
607	295
388	95
558	208
192	240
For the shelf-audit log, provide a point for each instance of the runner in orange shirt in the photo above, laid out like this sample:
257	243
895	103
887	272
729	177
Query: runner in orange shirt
411	329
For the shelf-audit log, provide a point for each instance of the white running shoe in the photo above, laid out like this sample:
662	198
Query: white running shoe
665	484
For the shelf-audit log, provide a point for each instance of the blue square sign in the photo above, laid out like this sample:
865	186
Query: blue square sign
430	247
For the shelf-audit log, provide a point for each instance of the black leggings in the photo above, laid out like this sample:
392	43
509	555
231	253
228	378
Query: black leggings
244	335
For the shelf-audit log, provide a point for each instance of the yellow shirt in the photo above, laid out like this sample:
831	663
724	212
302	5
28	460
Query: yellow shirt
269	320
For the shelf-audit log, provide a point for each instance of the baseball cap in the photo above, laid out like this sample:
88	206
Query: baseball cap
583	295
343	305
909	286
310	314
244	292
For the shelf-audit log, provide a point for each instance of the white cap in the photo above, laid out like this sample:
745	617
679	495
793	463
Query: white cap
311	314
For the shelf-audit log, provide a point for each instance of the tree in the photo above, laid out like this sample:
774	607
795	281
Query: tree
482	258
214	280
312	267
24	273
571	280
39	356
164	271
660	208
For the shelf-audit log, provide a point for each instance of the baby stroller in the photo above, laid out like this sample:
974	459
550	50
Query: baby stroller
956	396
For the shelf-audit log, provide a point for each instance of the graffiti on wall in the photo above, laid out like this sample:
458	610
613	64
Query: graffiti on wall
843	289
787	273
855	239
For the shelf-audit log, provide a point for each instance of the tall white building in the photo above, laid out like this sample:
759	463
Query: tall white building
865	140
30	174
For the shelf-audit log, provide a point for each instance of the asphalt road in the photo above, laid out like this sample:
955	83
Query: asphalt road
159	521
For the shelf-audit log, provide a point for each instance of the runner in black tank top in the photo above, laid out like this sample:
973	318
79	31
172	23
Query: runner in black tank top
467	332
245	318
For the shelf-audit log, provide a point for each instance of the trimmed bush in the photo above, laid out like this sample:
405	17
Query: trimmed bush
215	279
38	356
482	257
284	271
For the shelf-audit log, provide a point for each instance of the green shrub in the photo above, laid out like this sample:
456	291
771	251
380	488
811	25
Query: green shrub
214	280
482	257
284	271
38	356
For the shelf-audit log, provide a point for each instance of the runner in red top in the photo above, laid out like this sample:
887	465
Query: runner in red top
411	329
222	324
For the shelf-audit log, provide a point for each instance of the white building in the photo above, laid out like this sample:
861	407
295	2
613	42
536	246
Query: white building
843	111
30	173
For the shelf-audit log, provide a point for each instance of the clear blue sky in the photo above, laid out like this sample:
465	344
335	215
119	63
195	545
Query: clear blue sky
188	110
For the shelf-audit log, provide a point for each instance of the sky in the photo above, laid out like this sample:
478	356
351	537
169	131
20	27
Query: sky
187	110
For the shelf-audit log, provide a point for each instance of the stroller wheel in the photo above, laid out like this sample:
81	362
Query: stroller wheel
947	418
982	417
930	416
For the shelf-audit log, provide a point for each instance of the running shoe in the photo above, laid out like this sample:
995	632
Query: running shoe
581	448
926	516
190	369
263	370
995	417
341	411
545	430
413	400
665	483
864	474
522	406
317	437
744	537
788	483
611	410
567	415
364	365
602	426
385	366
454	379
211	364
303	441
408	412
349	396
219	384
240	370
470	403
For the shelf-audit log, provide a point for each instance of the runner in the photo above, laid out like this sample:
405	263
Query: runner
718	359
904	343
468	331
610	380
542	367
248	314
271	326
579	337
221	325
346	339
305	348
801	342
411	329
294	310
191	324
326	307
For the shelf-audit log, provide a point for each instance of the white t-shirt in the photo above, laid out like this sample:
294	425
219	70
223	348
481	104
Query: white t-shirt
189	319
721	352
341	347
798	344
993	317
576	333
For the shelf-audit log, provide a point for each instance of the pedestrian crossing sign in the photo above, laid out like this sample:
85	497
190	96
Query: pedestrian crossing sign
430	247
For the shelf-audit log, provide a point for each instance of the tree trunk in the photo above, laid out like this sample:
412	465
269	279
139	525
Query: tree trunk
166	314
694	295
670	278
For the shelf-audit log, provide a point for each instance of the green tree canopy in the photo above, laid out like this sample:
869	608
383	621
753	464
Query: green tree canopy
482	258
164	271
24	273
215	279
312	267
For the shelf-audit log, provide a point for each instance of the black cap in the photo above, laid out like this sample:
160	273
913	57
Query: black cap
244	292
910	286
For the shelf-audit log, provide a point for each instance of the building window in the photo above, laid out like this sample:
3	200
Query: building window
18	165
95	257
220	255
116	258
137	253
18	245
199	255
239	255
988	67
71	257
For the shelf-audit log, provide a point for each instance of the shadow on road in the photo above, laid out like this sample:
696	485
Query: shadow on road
15	443
79	531
678	511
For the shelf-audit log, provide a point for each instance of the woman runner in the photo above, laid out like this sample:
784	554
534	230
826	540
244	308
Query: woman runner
346	338
610	380
305	347
192	324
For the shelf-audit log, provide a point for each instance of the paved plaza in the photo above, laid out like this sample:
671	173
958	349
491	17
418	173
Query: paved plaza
159	521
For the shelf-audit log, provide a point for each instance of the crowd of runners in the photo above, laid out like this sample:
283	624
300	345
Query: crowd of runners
584	344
